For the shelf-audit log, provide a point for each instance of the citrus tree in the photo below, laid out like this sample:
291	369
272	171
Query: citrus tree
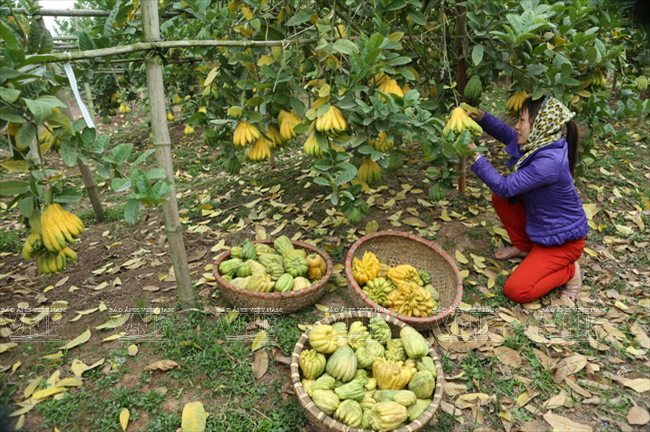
352	84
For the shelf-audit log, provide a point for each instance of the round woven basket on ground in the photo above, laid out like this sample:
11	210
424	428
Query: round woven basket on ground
324	423
396	248
274	302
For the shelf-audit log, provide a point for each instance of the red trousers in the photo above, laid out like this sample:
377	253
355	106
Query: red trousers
544	268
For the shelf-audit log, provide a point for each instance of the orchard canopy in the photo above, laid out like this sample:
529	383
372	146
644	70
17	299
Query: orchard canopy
316	122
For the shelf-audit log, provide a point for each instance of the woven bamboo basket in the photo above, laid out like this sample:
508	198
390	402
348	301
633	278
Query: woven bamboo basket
396	248
274	302
324	423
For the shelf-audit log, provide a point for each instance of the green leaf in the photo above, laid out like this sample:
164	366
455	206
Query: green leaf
406	74
301	17
85	43
322	181
34	37
120	154
52	101
59	119
47	43
110	20
398	61
40	109
12	188
120	184
101	144
39	58
536	69
8	36
140	158
9	95
11	114
348	173
396	5
477	54
345	46
88	136
26	207
26	136
418	18
68	153
132	211
67	196
156	174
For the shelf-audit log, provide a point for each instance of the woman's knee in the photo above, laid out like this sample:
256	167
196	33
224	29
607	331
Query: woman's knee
518	291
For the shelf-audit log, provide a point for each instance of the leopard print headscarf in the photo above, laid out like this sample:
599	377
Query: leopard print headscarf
546	128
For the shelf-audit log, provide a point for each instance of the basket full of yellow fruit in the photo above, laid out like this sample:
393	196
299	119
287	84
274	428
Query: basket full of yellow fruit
361	371
404	276
277	276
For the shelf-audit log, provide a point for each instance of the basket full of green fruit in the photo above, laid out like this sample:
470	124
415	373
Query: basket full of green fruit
273	276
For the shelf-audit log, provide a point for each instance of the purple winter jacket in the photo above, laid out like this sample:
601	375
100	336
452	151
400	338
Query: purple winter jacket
554	213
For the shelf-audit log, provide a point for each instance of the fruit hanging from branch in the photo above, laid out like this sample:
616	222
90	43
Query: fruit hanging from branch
460	121
514	102
245	133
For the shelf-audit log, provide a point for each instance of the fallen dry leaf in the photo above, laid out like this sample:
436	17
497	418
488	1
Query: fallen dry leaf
569	366
564	424
81	339
162	365
260	339
260	364
124	418
555	401
640	335
193	417
453	389
508	356
639	385
638	416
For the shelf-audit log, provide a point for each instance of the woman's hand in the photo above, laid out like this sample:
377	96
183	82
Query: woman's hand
476	116
472	146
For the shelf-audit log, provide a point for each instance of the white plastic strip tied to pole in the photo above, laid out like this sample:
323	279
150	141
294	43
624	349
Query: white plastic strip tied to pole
73	84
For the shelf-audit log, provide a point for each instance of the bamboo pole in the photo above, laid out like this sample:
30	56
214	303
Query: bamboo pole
158	45
461	79
162	144
89	13
86	174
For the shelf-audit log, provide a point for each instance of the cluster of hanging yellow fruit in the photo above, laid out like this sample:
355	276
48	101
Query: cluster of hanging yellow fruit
597	79
460	121
403	288
288	121
245	133
369	171
124	109
47	140
332	120
514	102
261	150
381	143
311	146
49	241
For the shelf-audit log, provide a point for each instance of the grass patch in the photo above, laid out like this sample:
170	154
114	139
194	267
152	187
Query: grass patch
11	241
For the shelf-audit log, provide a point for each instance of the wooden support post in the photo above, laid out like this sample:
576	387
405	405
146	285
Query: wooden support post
461	80
162	144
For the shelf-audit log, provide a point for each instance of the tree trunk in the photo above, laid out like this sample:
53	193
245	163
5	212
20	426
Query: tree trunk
162	144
